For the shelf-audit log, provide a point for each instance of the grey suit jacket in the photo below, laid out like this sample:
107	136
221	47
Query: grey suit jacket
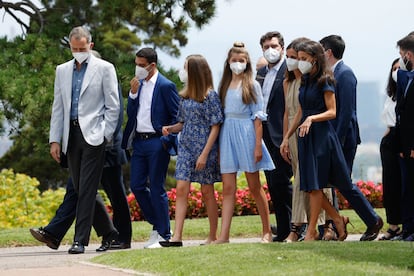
98	108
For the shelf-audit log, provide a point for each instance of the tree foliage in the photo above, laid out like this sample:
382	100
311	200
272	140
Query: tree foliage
28	63
26	92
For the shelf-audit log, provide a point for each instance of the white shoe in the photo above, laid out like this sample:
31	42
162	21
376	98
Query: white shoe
153	238
156	243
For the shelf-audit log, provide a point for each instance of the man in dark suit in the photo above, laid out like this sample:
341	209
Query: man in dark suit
405	130
346	127
271	78
345	123
152	103
112	182
84	117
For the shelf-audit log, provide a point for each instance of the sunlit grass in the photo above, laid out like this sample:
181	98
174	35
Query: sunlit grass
196	229
315	258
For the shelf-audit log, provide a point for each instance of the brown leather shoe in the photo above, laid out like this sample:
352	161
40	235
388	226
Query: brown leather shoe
41	235
372	231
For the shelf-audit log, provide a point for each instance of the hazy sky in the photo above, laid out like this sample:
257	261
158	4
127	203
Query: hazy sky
369	28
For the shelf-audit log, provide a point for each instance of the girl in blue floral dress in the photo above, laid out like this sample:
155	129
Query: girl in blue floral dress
199	118
241	144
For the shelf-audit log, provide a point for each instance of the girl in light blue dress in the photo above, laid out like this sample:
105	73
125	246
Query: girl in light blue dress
241	144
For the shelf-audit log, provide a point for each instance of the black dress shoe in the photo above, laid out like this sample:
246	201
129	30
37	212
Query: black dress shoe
107	241
41	235
120	245
372	231
104	246
76	248
171	244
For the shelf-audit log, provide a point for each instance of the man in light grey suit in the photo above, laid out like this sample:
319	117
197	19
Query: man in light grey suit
85	113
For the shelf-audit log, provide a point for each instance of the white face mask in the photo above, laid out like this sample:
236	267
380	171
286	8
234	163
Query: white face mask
291	64
402	64
183	75
304	66
81	56
272	55
394	75
237	67
141	72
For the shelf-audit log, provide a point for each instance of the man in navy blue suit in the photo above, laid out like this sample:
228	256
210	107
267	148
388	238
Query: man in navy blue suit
346	127
271	78
405	130
152	103
345	123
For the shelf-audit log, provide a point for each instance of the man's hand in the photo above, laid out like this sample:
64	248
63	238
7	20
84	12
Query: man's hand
134	85
55	151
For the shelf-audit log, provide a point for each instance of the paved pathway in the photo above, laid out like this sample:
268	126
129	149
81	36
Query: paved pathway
41	260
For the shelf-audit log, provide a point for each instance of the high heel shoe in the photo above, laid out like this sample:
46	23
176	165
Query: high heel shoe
344	235
329	233
296	233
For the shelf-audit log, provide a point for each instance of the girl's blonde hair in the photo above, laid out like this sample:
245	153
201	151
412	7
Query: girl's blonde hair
248	93
199	80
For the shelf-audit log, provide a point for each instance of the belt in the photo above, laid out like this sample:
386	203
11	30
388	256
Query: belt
146	135
74	122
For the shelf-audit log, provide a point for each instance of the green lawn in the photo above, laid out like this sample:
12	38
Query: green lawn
316	258
243	226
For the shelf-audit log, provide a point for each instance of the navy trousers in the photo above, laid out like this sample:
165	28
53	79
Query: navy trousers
149	164
280	187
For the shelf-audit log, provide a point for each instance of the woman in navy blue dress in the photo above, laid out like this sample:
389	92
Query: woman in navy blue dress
199	118
321	159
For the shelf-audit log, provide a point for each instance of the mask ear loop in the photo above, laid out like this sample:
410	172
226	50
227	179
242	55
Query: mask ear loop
147	67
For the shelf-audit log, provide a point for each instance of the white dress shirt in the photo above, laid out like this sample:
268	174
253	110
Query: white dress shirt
144	123
269	81
388	113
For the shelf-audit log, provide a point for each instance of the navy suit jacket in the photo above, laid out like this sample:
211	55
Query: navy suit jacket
275	108
346	123
164	108
405	113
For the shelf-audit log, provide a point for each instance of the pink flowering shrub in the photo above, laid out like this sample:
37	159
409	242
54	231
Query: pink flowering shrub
245	204
372	191
134	210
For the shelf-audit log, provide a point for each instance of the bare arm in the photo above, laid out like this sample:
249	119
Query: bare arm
258	127
286	113
202	159
285	151
172	128
329	114
284	147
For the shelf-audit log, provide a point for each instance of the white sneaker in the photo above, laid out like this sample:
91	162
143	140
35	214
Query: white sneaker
156	243
153	238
